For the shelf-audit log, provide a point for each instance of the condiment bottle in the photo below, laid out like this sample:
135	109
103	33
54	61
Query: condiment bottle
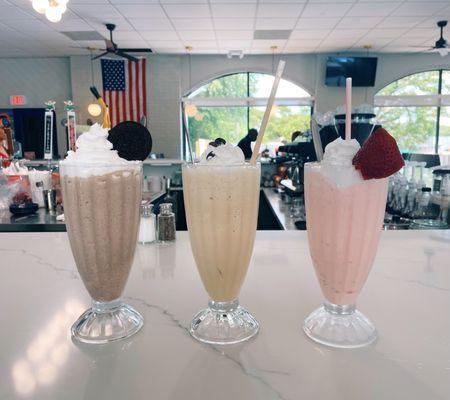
147	227
166	223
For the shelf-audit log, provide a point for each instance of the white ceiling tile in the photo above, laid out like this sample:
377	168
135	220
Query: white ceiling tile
422	9
233	23
28	24
178	1
91	1
197	35
141	10
200	44
126	35
187	10
234	35
325	10
373	9
399	22
144	24
4	27
279	10
347	33
374	43
275	23
233	10
11	12
316	23
187	24
386	33
88	10
334	1
408	41
231	1
126	1
165	43
268	43
303	42
98	44
159	35
234	44
424	33
73	25
358	22
343	43
285	1
431	23
133	43
311	34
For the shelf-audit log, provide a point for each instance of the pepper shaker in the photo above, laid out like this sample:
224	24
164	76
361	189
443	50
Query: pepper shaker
166	223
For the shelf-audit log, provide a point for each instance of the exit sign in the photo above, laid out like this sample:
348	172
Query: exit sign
17	100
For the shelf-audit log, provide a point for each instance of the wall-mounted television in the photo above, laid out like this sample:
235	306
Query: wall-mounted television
362	70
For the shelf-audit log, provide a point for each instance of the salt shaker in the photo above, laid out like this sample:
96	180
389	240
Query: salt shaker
166	223
147	227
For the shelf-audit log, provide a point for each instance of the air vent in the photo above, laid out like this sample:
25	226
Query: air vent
83	35
271	34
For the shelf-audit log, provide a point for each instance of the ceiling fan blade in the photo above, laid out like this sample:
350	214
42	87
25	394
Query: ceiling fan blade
127	56
142	50
100	55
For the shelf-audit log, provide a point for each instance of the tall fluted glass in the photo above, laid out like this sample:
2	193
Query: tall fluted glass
222	211
101	207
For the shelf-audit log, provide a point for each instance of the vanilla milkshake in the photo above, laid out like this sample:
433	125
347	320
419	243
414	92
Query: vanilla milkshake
102	195
344	213
221	195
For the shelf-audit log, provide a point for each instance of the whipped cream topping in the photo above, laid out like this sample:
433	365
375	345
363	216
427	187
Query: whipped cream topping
340	152
225	154
93	146
337	162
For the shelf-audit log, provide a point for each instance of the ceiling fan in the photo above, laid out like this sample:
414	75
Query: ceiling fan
440	46
113	48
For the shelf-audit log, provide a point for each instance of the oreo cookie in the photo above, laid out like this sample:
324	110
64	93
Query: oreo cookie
132	140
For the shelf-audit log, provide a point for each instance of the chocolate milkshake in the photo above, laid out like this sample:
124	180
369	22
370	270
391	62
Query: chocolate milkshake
102	195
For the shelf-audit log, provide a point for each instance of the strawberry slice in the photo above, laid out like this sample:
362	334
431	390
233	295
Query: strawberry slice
379	157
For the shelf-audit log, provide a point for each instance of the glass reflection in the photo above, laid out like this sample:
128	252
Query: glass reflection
46	353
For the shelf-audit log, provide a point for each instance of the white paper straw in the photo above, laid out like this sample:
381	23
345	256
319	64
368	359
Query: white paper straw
266	116
348	108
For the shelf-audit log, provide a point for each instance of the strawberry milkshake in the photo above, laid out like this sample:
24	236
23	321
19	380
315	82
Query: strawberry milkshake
345	198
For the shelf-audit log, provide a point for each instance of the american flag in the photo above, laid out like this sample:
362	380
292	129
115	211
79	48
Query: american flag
125	90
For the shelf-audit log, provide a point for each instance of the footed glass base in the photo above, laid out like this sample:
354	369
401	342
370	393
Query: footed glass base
107	322
339	326
224	323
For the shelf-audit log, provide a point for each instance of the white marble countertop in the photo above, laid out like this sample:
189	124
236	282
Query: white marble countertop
407	297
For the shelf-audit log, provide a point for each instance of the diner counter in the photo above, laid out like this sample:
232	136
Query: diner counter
407	297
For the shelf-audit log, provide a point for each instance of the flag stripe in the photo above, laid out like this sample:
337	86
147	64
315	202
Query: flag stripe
124	89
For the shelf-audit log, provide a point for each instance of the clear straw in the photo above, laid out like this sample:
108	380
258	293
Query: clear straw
266	116
186	132
348	108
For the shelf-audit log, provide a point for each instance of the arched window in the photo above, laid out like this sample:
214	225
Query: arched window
416	111
228	106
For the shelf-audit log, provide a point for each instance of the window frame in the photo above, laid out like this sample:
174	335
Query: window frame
438	100
248	101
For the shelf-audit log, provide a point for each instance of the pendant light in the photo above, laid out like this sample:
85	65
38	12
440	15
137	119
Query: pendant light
94	108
